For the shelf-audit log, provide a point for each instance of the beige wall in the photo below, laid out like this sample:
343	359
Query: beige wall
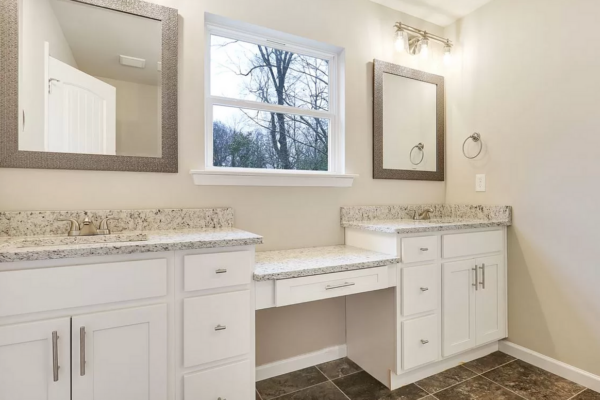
287	217
138	118
527	79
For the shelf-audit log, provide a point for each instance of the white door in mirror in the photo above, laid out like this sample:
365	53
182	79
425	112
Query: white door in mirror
480	183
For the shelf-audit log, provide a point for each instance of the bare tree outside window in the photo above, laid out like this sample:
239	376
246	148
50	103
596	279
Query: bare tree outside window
255	138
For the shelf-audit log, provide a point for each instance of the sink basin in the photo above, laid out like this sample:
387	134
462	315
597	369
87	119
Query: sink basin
40	241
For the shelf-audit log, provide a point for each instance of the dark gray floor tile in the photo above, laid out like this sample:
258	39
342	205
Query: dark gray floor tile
288	383
477	388
445	379
532	382
489	362
257	396
362	386
323	391
588	395
338	368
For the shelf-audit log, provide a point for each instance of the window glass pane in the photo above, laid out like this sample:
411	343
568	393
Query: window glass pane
247	71
259	139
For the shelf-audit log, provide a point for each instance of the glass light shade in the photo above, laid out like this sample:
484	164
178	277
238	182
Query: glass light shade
447	55
400	42
424	52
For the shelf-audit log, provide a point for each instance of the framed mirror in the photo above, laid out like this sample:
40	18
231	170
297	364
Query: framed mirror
88	85
409	124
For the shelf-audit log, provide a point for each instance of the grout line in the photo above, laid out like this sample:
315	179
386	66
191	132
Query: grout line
451	386
296	391
415	383
499	366
322	373
353	373
505	388
259	396
577	394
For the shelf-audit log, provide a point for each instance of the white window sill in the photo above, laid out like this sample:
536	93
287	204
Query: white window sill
272	178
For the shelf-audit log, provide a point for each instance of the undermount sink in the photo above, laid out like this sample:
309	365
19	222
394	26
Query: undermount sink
40	241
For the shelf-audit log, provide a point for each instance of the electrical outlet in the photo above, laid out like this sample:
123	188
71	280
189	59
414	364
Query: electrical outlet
480	183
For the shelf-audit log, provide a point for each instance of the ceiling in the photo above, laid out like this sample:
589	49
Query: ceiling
439	12
98	36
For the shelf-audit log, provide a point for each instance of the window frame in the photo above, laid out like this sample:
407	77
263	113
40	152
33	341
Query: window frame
281	41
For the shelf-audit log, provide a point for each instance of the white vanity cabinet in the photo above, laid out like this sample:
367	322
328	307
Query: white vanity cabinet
448	304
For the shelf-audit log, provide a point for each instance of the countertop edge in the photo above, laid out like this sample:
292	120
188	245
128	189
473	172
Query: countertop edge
361	225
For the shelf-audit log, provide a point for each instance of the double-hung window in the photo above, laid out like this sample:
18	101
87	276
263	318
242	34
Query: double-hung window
273	102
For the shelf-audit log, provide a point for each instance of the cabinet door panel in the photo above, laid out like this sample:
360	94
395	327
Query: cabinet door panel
458	307
125	355
491	300
26	361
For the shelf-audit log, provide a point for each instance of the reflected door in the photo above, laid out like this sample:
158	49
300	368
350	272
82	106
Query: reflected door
81	112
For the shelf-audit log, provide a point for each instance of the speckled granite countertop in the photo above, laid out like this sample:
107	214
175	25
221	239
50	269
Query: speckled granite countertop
286	264
188	239
445	217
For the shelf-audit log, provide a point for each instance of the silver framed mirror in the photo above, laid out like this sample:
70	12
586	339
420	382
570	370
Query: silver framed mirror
88	85
408	123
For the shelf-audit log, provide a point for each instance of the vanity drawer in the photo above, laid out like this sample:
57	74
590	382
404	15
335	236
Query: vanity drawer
420	291
46	289
319	287
229	382
216	327
420	341
417	249
210	271
467	244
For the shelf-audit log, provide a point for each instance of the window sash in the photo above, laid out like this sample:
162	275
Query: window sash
334	164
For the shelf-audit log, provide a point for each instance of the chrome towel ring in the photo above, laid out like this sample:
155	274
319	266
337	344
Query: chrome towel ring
420	147
476	137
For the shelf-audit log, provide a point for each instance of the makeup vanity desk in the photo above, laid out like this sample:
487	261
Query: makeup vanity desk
422	296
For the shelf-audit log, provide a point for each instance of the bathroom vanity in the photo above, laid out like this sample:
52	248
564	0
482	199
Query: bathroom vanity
171	317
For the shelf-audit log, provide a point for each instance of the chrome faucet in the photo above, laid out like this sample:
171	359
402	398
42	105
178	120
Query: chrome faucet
87	227
423	215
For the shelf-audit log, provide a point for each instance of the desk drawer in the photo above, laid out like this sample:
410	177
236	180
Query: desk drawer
46	289
418	249
468	244
210	271
420	291
229	382
216	327
420	341
319	287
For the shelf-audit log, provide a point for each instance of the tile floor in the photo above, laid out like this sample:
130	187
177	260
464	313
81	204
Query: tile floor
496	376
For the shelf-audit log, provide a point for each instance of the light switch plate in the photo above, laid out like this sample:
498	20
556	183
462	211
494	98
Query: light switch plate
480	183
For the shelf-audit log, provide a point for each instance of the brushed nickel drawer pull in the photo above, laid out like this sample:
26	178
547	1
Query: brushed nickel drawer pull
424	289
482	276
476	284
343	285
424	249
82	351
221	271
55	365
220	327
423	341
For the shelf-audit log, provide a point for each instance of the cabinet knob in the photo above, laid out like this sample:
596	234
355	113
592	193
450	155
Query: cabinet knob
423	341
221	271
424	249
424	289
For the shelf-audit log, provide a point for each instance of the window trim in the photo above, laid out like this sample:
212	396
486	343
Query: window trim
215	25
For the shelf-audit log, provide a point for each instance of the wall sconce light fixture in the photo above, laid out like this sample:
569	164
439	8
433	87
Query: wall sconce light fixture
416	41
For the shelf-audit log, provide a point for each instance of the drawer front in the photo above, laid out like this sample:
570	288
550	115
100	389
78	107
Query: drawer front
37	290
216	327
318	287
420	289
230	382
419	249
210	271
420	341
467	244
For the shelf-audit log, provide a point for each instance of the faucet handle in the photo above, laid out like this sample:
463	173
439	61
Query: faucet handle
103	229
75	229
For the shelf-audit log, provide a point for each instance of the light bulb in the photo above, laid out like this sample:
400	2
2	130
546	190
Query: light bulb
448	54
400	42
424	52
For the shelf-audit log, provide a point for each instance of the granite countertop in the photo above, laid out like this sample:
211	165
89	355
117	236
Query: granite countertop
164	240
286	264
433	225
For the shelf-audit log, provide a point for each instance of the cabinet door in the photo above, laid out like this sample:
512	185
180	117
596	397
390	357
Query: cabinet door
35	361
458	307
121	355
491	299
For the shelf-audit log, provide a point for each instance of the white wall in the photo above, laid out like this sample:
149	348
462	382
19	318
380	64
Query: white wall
287	217
138	118
39	25
527	79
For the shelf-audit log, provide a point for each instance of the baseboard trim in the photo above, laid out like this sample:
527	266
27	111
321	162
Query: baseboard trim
559	368
302	361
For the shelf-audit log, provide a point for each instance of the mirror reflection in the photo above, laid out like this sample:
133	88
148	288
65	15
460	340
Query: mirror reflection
90	80
409	124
